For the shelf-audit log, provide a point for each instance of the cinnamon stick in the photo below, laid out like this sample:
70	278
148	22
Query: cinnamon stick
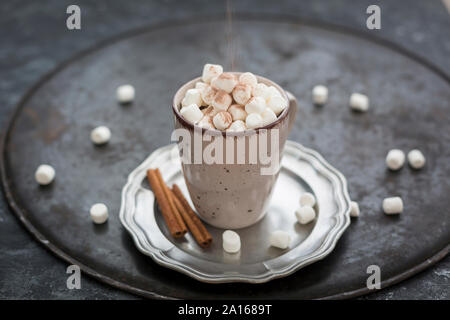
204	235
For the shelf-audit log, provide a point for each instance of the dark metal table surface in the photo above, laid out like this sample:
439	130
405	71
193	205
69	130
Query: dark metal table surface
34	40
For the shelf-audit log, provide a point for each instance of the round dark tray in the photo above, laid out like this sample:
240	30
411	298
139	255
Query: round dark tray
409	109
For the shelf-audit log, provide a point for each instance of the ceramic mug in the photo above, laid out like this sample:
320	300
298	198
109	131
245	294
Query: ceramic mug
232	193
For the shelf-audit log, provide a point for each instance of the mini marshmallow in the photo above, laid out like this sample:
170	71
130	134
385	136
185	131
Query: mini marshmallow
393	205
125	93
253	121
260	90
44	174
226	82
99	213
305	214
354	209
222	120
248	78
320	94
206	122
208	94
191	113
277	104
237	125
237	112
416	159
272	91
255	105
268	116
193	96
209	111
210	71
307	199
395	159
359	102
231	242
242	93
280	239
200	86
100	135
222	100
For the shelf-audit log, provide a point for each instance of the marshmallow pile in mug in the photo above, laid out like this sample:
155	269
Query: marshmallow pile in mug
225	101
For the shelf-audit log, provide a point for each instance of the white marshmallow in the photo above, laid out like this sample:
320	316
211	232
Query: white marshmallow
276	103
222	101
44	174
272	91
192	113
206	122
253	121
359	102
242	93
416	159
125	93
226	82
237	112
305	214
395	159
237	125
192	96
210	111
307	199
100	135
320	94
208	94
231	242
222	120
99	213
393	205
210	71
260	90
248	78
354	209
255	105
200	86
268	116
280	239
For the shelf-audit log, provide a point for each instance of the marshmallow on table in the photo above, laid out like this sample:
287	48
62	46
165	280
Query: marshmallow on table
268	116
248	78
354	209
280	239
210	71
277	103
307	199
255	105
231	242
99	213
191	113
242	93
237	125
206	122
208	93
44	174
222	100
359	102
320	94
305	214
395	159
192	96
253	121
222	120
125	93
226	82
237	112
100	135
416	159
393	205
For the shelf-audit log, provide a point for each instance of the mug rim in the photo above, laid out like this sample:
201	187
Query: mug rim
246	132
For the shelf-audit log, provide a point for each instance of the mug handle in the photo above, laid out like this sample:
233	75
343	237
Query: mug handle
293	107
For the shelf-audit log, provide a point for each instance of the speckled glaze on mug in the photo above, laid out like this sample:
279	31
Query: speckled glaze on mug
232	196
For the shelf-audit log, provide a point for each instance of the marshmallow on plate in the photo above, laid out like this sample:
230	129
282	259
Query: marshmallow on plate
100	135
255	105
359	102
320	94
248	78
44	174
191	113
416	159
395	159
237	125
125	93
99	213
393	205
208	93
192	96
268	116
226	82
307	199
280	239
222	100
206	122
210	71
231	242
242	93
305	214
253	121
222	120
237	112
354	209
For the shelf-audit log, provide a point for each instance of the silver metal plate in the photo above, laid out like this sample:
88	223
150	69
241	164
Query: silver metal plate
302	170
